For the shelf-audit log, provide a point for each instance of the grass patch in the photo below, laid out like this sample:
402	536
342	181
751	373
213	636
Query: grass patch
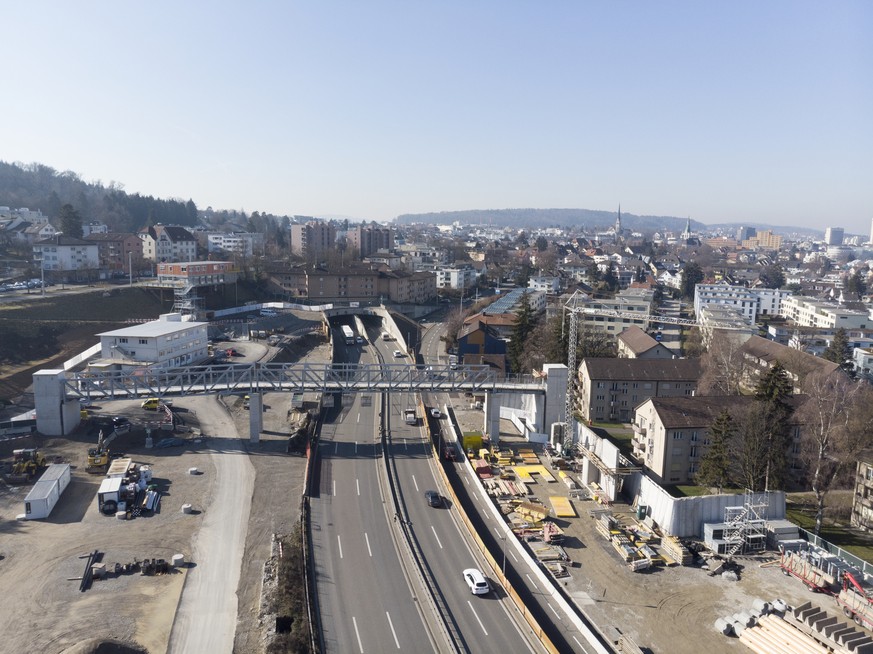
121	304
291	601
696	491
800	510
621	436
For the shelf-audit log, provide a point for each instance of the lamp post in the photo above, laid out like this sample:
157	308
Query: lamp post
130	267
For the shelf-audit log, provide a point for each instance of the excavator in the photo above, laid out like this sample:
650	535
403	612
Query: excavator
25	464
98	457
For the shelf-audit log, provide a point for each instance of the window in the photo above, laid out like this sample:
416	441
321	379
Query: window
122	340
677	435
143	341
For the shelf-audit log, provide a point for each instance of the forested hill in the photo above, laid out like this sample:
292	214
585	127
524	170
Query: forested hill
36	186
541	218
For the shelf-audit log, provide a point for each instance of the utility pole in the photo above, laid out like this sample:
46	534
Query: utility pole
130	267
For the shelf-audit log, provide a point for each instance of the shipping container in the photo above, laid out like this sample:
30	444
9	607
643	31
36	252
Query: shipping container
47	491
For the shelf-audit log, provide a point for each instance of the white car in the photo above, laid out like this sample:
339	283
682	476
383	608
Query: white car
398	354
476	581
435	413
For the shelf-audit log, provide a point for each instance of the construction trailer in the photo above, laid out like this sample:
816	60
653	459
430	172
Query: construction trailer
856	600
47	491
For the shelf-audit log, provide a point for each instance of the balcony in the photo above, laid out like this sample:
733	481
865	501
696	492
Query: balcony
642	431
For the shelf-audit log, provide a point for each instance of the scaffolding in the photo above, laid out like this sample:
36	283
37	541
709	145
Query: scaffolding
185	300
745	527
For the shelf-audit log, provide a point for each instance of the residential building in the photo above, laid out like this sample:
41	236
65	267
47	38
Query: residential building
242	244
65	253
763	240
167	342
511	301
634	343
502	323
631	307
746	233
168	243
405	287
312	239
760	355
610	389
479	343
810	312
118	252
862	357
862	502
35	232
546	284
89	229
369	239
750	302
357	284
672	434
456	277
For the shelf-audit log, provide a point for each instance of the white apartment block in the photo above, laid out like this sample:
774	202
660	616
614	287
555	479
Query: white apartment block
750	302
167	342
242	244
863	360
546	284
629	308
809	312
65	253
460	277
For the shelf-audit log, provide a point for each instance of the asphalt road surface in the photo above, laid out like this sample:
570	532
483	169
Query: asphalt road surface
365	602
206	617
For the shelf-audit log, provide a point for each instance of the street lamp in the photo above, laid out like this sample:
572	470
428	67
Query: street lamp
130	267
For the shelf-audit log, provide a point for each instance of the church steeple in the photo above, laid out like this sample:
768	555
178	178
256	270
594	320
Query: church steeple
618	222
687	233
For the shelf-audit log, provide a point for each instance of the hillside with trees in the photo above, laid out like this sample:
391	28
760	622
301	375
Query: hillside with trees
36	186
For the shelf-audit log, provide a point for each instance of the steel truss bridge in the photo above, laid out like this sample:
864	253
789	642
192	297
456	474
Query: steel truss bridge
291	377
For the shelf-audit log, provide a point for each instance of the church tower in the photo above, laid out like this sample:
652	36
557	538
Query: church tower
687	233
618	225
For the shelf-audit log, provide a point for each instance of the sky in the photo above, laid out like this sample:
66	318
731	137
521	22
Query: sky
741	111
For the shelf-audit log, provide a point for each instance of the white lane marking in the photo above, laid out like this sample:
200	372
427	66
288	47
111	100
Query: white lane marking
393	633
359	418
358	485
415	483
356	448
532	583
340	544
477	617
360	647
513	556
435	536
367	538
467	481
577	642
553	610
334	487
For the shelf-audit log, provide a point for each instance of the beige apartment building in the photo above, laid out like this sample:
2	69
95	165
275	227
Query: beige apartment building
357	284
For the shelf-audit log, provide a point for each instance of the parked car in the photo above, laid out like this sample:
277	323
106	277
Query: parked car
476	581
433	498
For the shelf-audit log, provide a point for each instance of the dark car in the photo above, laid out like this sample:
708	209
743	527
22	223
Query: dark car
449	453
433	498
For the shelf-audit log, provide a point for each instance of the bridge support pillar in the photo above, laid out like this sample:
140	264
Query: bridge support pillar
556	395
55	415
256	417
492	417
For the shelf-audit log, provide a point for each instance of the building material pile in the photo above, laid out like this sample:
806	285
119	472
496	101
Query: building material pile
501	488
673	549
528	456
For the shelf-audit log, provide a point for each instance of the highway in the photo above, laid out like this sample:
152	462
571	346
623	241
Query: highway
365	602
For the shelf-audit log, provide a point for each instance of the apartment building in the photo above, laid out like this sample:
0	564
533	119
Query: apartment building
312	239
197	273
118	252
750	302
862	504
358	284
760	355
810	312
763	240
456	277
369	239
630	308
546	284
672	434
243	244
610	389
634	343
65	253
168	243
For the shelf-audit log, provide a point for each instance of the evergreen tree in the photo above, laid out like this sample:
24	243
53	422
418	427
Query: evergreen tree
610	279
71	221
840	351
773	392
692	275
715	465
524	324
772	276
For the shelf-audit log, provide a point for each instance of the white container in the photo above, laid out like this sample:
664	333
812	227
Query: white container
47	491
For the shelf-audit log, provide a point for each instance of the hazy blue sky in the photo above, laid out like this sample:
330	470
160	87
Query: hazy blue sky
729	111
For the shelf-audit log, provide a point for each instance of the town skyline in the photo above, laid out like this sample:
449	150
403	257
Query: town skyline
745	114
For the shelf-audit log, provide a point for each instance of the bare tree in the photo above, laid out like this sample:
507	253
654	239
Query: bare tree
723	366
751	446
454	322
836	429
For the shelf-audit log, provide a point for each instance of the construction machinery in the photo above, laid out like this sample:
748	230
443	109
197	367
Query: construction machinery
25	464
98	457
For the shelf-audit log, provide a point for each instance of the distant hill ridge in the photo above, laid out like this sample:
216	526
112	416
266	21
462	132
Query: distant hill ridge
590	219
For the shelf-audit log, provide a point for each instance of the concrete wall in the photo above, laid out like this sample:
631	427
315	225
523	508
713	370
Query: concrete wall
55	416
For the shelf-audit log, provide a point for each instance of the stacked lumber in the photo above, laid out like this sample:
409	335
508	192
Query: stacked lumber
499	487
772	635
528	456
676	551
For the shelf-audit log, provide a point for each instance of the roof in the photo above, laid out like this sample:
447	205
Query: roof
174	233
700	411
656	370
153	329
475	326
60	239
636	340
790	358
499	320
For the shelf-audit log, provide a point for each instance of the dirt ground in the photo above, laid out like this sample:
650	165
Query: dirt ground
47	613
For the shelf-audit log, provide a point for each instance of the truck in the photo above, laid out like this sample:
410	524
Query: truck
410	417
856	601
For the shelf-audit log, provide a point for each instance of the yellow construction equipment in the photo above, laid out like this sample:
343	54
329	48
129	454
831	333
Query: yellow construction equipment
25	464
98	457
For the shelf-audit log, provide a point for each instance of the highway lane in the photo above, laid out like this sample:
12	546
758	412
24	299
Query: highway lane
365	602
444	543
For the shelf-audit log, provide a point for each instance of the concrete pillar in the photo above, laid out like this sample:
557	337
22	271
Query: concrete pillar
55	414
556	394
492	417
256	417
